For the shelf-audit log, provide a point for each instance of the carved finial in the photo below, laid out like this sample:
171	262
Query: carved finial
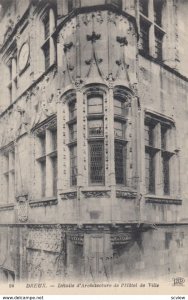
68	46
93	37
122	40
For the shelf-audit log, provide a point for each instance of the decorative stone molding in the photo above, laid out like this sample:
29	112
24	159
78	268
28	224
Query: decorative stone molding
77	238
121	238
110	81
96	194
68	196
7	206
48	124
44	202
163	201
126	194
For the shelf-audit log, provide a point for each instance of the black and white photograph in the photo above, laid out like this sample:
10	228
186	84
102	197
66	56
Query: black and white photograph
94	145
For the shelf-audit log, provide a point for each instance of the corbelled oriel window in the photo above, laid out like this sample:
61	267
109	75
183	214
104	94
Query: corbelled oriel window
120	123
158	154
72	125
95	117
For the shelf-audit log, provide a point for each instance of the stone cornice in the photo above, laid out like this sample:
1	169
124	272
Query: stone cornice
163	200
7	206
43	202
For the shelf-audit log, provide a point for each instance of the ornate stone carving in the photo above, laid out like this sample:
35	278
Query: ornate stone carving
121	238
96	194
77	238
43	238
93	37
110	81
86	18
126	194
122	40
49	124
67	47
22	208
99	17
111	18
68	196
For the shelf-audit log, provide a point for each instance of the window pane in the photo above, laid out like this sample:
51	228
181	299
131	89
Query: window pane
95	127
150	172
42	144
120	163
143	7
43	178
46	27
149	135
119	130
144	37
158	44
54	170
73	165
47	56
158	11
73	132
54	140
96	163
166	175
119	108
72	110
163	138
95	105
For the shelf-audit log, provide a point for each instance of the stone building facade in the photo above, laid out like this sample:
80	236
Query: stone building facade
93	140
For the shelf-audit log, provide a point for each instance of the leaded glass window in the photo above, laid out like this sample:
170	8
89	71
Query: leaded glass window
96	162
95	127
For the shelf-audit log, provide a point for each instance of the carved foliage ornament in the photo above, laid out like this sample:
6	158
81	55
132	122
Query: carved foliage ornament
68	196
96	194
126	194
22	208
